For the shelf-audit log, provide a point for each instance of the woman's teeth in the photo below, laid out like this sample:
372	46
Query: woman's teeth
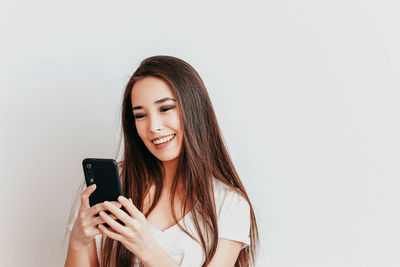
163	140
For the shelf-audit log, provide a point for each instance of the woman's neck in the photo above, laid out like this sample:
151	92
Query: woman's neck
170	169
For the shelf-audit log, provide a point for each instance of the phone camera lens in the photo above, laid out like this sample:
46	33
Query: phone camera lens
89	166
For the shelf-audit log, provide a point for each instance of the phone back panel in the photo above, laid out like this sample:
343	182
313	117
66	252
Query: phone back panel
104	173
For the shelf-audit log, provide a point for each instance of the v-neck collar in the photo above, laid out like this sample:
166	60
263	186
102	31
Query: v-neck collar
169	229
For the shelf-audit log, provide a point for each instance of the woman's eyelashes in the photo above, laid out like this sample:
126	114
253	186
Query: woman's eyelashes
138	116
162	109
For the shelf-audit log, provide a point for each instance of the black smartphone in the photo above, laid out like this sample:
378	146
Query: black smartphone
104	173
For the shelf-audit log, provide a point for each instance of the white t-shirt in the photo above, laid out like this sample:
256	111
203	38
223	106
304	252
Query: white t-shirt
233	215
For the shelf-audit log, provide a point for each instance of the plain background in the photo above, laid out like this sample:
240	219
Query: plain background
306	94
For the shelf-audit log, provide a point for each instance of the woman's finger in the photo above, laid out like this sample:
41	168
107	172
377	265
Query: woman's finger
97	231
132	210
85	196
112	216
120	214
116	203
99	220
109	233
96	221
101	206
117	227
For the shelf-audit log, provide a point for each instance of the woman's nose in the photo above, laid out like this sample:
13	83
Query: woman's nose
156	124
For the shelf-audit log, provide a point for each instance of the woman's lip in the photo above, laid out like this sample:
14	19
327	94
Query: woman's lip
160	137
163	145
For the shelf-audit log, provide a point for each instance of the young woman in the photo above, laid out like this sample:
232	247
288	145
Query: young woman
185	203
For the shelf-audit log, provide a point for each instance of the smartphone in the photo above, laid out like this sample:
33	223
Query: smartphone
104	173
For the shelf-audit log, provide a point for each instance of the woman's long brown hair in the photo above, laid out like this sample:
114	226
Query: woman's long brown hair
203	157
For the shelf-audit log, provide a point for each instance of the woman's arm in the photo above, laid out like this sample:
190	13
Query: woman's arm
82	246
82	256
226	254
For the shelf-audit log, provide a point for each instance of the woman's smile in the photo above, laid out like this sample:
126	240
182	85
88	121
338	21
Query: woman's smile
163	142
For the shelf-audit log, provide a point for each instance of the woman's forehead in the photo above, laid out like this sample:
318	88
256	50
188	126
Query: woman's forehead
150	89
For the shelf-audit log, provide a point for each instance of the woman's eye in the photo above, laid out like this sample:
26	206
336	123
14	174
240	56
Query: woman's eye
138	116
163	109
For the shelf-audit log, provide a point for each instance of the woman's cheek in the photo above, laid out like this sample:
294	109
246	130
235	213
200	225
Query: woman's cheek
141	132
175	122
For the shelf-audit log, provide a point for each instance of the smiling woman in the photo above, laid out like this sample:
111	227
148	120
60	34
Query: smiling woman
157	118
184	202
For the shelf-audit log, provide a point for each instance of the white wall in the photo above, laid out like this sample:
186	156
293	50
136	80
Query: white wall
306	93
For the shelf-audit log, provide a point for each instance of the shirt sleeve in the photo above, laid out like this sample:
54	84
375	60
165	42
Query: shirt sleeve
73	217
234	218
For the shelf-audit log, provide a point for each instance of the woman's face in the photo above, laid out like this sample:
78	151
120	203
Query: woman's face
157	117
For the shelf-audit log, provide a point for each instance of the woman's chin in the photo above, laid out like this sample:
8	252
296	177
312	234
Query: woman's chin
167	157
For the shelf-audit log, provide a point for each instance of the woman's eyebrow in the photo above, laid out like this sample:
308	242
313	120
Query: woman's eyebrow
163	100
156	102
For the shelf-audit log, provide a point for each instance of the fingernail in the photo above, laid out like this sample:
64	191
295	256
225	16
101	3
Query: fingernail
121	198
106	202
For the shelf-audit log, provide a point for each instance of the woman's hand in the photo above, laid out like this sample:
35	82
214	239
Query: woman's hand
135	234
85	226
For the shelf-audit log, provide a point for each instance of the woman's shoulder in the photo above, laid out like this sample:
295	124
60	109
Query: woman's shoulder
226	195
220	187
233	213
